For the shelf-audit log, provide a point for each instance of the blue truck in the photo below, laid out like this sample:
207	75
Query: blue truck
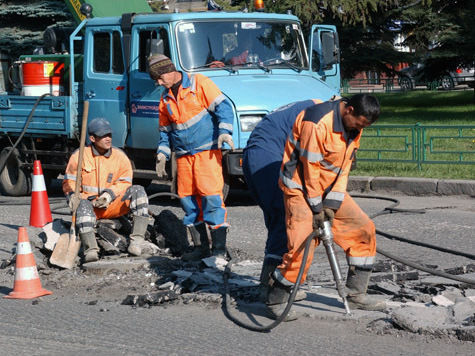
105	63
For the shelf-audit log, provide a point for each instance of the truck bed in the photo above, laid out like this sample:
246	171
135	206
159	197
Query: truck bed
54	115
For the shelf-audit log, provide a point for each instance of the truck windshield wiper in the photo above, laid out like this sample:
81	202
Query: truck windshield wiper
258	65
208	65
288	64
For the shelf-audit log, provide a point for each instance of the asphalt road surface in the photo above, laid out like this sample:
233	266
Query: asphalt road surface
72	323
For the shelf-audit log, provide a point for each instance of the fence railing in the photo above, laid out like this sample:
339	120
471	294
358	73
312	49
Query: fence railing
388	85
428	144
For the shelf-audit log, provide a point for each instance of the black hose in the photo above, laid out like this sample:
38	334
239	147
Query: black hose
391	209
290	301
425	269
27	123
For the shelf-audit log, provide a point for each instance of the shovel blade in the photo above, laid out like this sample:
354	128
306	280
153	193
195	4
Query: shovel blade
66	250
58	257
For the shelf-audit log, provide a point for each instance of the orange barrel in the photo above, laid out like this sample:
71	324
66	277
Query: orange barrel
42	77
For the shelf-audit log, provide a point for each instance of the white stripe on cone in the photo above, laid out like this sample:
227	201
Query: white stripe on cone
38	183
26	273
24	248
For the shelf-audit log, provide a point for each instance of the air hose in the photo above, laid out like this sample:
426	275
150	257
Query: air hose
27	123
388	210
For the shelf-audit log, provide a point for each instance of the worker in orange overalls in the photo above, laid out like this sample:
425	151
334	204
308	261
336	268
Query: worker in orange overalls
314	175
106	190
195	120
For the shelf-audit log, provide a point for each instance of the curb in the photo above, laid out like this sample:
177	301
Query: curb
411	186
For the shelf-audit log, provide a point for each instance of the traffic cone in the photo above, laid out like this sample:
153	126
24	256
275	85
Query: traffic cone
40	213
27	281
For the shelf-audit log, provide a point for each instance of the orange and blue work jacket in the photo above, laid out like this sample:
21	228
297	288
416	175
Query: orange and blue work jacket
193	121
111	172
317	157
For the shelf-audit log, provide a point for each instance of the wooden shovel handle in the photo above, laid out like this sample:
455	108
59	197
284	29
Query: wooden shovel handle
82	143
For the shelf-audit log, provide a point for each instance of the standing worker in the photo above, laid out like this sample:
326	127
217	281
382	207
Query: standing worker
314	176
195	120
261	163
106	190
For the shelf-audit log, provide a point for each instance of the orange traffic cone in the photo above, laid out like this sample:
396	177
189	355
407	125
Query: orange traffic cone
40	213
27	282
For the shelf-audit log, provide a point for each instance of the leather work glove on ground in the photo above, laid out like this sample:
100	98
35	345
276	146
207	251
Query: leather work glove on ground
73	202
225	138
325	214
103	201
160	165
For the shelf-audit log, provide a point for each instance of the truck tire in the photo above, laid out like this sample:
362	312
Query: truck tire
14	181
447	82
405	83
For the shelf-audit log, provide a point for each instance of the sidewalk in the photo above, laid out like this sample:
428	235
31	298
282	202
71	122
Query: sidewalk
411	186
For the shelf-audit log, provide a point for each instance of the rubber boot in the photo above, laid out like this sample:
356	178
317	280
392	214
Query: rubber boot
218	237
199	235
277	298
356	287
91	250
137	237
268	267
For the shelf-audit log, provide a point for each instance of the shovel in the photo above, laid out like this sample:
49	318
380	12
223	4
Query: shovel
67	247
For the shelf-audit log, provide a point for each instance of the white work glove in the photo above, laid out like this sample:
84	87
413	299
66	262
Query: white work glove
73	202
103	201
225	138
160	166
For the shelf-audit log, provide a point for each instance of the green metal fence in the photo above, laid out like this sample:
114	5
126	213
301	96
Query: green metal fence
419	144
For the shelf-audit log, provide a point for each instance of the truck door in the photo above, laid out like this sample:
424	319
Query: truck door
105	81
325	54
144	94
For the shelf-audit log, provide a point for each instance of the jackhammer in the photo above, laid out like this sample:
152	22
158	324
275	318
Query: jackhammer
326	236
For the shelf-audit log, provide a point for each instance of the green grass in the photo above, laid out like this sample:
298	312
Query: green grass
427	108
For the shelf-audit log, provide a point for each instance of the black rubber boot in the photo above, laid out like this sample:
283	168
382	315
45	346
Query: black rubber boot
137	237
91	250
199	235
356	287
268	267
277	298
218	237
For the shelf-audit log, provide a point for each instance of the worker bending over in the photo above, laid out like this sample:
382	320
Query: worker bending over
262	158
195	120
106	190
314	176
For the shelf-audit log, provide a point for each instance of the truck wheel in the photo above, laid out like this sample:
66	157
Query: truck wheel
14	181
405	83
447	82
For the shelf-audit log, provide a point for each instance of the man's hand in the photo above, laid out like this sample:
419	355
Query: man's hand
225	138
103	201
325	214
73	202
160	165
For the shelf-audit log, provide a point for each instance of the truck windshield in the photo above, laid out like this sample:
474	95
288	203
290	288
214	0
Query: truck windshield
231	44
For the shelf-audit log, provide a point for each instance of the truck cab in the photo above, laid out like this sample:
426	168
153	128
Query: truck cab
260	61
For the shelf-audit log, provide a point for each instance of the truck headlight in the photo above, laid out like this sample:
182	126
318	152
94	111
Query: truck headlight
248	122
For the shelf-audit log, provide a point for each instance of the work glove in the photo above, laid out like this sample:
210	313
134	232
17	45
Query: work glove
319	218
103	201
160	165
73	202
225	138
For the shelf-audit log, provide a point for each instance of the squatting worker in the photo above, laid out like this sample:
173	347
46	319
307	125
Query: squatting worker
106	190
195	120
314	176
261	163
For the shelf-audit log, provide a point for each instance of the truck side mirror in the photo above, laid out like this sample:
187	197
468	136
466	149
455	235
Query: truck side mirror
330	49
156	46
